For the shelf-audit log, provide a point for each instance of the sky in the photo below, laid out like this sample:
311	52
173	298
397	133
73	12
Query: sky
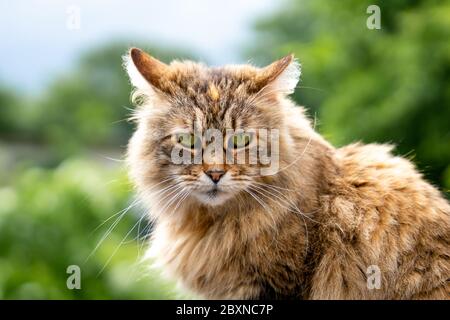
42	38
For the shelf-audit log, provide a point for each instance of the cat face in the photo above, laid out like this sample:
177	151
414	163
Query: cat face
205	133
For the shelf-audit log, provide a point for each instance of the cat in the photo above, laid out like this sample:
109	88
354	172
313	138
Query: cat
330	223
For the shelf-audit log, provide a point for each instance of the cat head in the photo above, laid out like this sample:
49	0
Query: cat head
206	133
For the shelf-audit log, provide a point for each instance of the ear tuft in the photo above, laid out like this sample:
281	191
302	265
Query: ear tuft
287	80
144	70
282	75
136	78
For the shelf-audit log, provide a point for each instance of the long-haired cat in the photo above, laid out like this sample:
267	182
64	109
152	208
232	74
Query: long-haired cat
348	223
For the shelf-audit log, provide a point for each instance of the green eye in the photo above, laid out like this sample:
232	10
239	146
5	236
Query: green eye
186	140
240	140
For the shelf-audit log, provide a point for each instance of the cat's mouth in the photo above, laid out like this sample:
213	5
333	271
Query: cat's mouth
214	196
213	192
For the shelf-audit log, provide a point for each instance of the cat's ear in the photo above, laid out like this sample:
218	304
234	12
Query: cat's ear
145	72
280	76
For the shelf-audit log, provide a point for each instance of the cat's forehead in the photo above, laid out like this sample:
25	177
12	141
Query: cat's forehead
213	97
215	83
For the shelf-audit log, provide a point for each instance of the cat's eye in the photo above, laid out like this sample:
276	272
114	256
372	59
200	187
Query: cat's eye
240	140
187	140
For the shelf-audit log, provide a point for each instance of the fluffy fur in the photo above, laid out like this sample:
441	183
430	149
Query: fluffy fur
311	230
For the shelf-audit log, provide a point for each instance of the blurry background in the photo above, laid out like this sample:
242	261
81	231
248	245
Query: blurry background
64	99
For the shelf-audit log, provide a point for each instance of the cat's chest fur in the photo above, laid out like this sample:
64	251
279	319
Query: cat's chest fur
233	258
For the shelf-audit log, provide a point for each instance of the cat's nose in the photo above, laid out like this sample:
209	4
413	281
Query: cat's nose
215	175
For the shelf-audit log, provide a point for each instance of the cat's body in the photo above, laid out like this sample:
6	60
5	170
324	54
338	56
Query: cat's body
320	228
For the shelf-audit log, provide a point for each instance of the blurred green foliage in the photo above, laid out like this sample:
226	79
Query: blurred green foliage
390	85
50	219
13	115
57	190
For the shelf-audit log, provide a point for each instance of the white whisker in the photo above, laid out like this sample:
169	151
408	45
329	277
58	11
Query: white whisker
111	228
118	247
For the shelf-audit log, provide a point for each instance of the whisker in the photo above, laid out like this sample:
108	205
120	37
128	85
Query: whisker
311	88
172	196
118	247
112	159
122	214
158	184
274	186
114	215
287	201
262	203
110	229
183	197
146	235
162	191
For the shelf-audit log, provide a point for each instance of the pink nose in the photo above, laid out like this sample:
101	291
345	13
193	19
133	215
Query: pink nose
215	175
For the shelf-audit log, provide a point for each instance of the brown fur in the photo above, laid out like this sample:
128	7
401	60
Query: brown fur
323	219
